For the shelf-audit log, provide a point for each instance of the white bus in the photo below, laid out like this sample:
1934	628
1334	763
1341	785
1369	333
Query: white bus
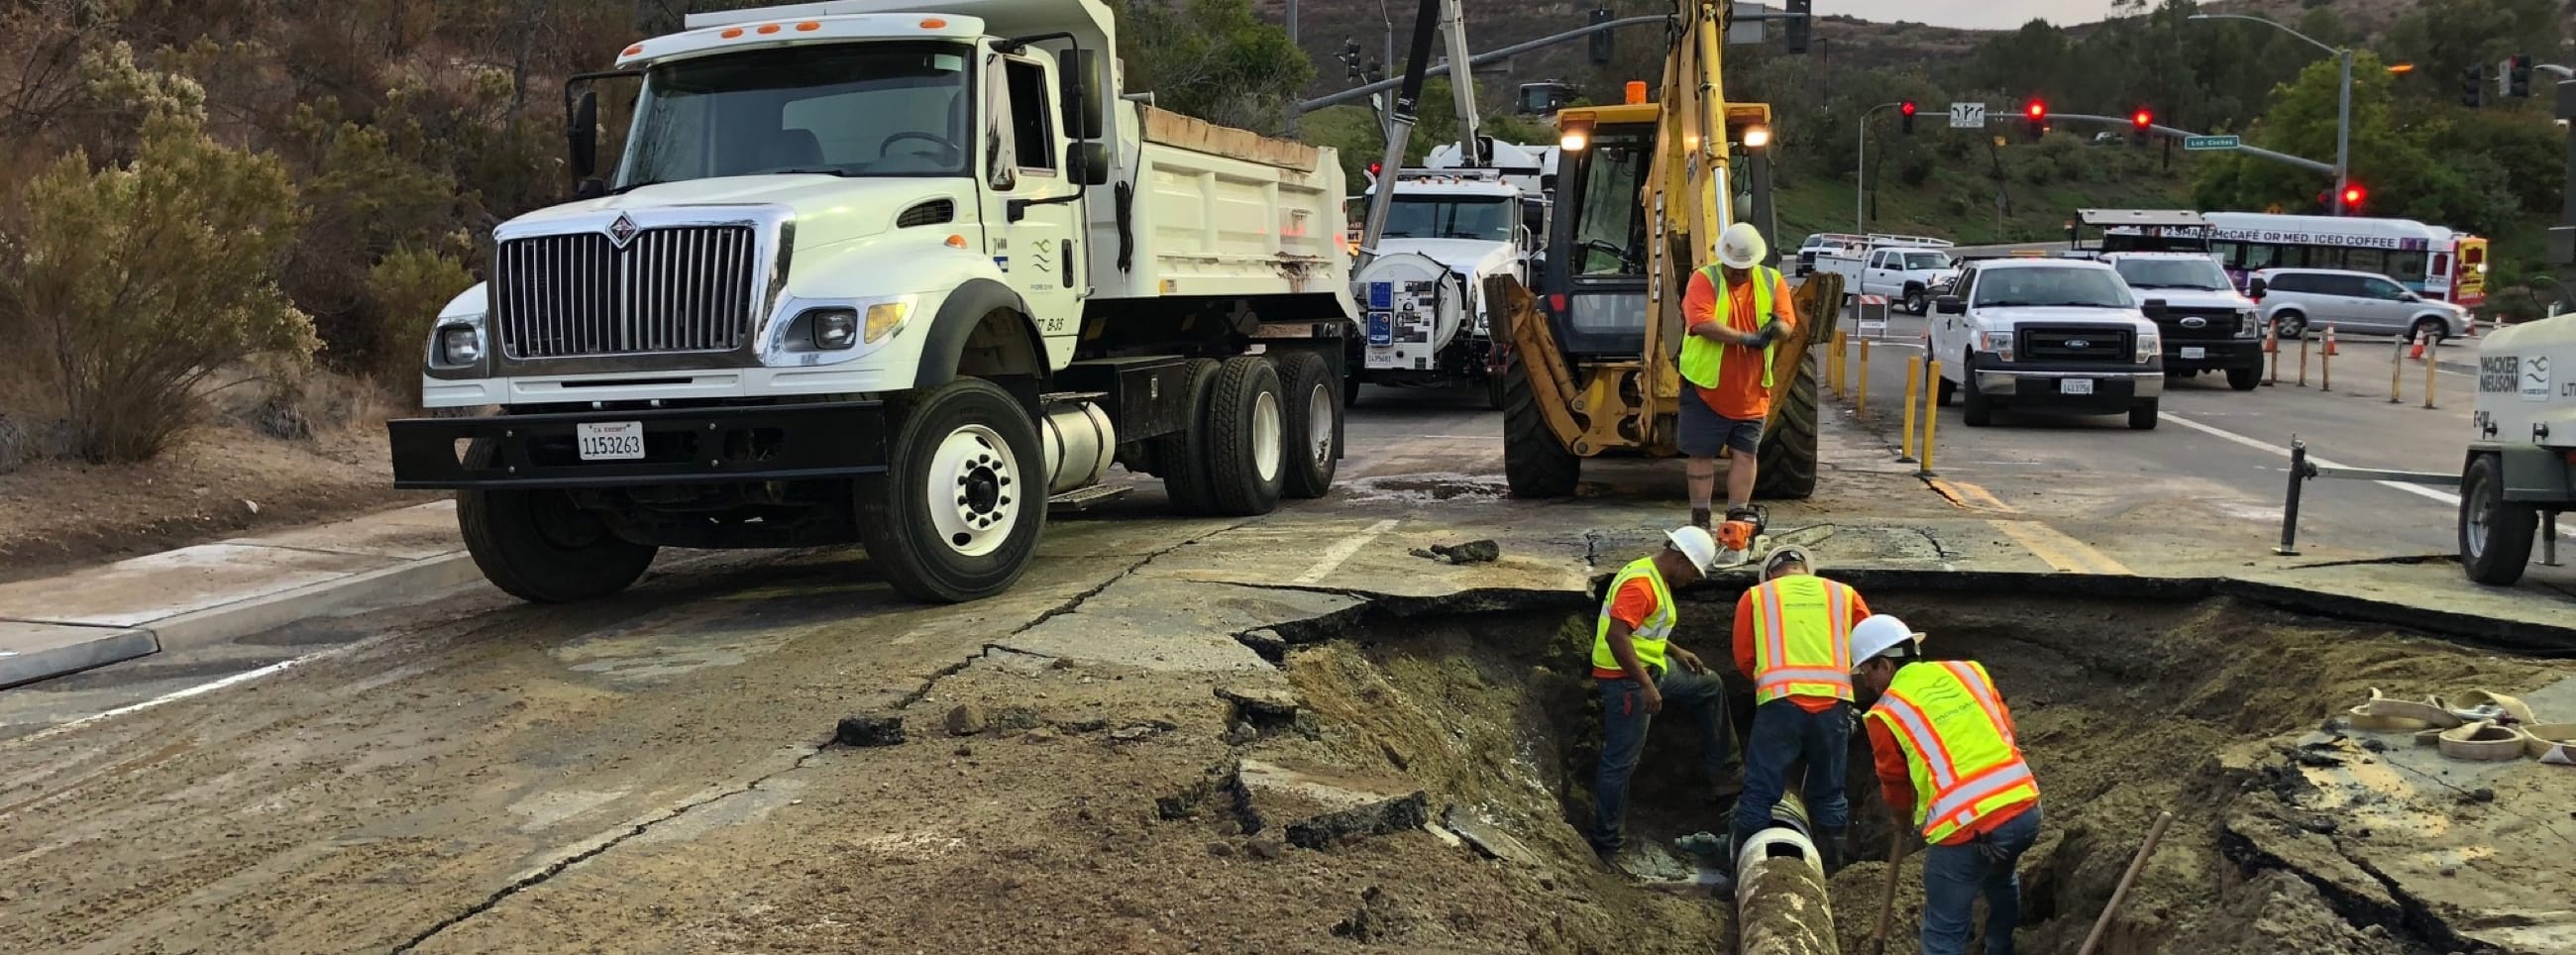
2429	260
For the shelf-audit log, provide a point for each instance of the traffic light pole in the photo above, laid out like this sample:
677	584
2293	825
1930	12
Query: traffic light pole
1860	172
2343	135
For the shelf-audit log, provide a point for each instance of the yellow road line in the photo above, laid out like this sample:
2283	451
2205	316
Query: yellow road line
2058	550
1964	494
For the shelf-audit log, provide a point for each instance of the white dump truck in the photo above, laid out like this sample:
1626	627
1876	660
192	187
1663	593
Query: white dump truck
2520	471
887	272
1447	231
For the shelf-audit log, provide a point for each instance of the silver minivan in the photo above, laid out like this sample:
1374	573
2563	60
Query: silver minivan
2296	301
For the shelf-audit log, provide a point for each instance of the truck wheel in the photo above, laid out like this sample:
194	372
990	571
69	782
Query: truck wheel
1917	301
1314	410
2495	534
2142	416
1183	454
1785	466
539	547
2244	379
1534	464
1978	410
1941	387
1247	428
957	514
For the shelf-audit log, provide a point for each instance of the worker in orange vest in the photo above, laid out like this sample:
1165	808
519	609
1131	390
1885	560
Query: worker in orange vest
1792	638
1631	644
1945	748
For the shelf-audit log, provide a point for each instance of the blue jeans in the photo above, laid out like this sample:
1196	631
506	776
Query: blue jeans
1782	734
1623	727
1953	877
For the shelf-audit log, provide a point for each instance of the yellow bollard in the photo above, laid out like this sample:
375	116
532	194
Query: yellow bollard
1837	366
1913	381
1931	419
2432	363
2396	370
2325	362
1860	396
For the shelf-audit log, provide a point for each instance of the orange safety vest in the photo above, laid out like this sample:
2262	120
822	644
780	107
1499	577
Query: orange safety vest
1805	650
1959	749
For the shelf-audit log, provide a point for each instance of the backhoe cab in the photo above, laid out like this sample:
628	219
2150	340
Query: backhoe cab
1637	209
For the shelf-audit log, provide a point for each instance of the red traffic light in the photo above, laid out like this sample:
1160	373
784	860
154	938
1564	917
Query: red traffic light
2142	119
2037	110
1906	107
1375	167
2352	196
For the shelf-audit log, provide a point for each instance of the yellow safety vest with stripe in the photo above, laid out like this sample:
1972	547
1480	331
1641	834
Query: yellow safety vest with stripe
1958	747
1804	625
1702	359
1650	634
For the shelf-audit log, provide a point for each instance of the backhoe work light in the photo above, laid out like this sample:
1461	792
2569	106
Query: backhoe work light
1756	137
1576	137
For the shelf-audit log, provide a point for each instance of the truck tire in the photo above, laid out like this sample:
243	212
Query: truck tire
1785	467
956	516
1183	454
539	547
2142	416
2495	534
1247	429
2244	379
1314	406
1941	387
1976	409
1918	301
1534	464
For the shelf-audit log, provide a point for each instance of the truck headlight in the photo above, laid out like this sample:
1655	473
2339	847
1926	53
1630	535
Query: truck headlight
835	329
1998	344
2150	345
2249	324
459	345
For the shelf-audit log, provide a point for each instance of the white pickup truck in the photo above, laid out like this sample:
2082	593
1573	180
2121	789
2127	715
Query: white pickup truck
2049	335
891	272
1912	271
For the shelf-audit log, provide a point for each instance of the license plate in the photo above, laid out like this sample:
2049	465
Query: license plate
2076	386
2195	352
610	440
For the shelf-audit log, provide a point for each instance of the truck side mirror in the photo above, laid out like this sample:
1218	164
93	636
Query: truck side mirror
1088	163
1950	305
1085	95
583	135
2255	287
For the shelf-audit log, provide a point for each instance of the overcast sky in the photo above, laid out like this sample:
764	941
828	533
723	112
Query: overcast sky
1976	14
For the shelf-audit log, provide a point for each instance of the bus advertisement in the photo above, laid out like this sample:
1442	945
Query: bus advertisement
2429	260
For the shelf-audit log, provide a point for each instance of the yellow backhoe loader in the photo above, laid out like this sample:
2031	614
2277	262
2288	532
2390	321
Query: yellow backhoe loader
1643	190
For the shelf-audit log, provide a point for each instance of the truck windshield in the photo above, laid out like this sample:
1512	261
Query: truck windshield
2075	288
852	109
2203	274
1411	217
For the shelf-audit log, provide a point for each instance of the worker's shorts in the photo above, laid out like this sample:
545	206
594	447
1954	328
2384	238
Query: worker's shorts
1704	431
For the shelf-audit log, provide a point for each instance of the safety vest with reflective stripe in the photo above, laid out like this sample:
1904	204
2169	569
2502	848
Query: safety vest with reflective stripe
1803	623
1702	359
1650	634
1958	747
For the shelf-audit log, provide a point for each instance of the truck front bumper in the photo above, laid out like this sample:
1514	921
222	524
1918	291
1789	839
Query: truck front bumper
2215	355
2114	389
681	445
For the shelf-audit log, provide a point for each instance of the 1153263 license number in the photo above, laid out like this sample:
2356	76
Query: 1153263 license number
610	440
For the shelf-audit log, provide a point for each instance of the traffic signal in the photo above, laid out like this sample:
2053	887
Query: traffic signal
1600	39
2473	86
1905	111
2517	82
1802	14
2141	123
2035	116
2352	196
1351	59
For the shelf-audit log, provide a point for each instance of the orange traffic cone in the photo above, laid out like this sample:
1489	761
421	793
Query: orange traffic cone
2417	353
2330	341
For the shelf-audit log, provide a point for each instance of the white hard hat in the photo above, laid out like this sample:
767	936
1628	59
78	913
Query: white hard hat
1695	544
1741	246
1879	634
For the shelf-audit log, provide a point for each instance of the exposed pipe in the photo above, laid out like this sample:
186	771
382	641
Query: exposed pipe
1781	897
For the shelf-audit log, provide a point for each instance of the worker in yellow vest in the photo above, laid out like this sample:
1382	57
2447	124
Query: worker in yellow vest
1736	311
1640	669
1945	749
1792	639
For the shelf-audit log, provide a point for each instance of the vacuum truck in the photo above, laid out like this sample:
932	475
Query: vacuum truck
894	273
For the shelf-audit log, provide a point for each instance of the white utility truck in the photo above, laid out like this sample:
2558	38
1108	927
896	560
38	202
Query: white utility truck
1911	270
892	272
1447	231
2521	463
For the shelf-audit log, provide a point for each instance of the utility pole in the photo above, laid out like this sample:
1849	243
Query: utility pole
1301	51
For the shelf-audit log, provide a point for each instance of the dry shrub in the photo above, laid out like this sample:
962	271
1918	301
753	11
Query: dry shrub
408	289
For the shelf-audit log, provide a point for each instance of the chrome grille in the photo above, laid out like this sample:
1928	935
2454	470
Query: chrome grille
672	289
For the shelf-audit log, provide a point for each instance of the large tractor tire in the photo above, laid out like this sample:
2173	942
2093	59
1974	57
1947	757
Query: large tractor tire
1247	426
1785	470
1534	464
1314	418
539	547
956	516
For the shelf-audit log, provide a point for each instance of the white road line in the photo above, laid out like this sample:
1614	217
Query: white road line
2414	489
1342	551
174	696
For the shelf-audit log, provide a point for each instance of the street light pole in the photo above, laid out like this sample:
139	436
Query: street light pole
2343	108
1860	172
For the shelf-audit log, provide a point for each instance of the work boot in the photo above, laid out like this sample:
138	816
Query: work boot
1699	518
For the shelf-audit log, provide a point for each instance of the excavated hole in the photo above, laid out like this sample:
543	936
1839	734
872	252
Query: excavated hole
2125	707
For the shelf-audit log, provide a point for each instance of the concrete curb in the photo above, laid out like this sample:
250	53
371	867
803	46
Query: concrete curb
50	650
399	583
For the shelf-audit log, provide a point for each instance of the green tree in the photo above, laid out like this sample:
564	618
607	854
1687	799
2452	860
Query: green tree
1213	59
147	279
408	288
